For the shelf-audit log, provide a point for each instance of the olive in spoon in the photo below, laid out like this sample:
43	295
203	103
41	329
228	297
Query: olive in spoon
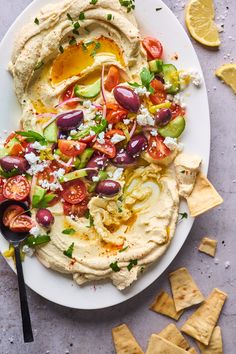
15	239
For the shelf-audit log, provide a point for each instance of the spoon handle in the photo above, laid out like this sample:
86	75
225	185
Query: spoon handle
26	322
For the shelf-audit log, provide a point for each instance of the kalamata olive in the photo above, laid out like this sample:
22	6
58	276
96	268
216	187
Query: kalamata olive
108	188
8	163
123	159
70	120
63	134
136	145
127	98
98	162
44	217
163	117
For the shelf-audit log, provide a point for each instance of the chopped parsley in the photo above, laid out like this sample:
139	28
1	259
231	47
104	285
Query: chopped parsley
124	249
97	46
36	241
61	49
90	218
93	2
146	78
69	17
12	173
84	47
69	251
142	269
81	16
131	264
76	25
32	136
120	210
129	4
109	17
38	65
42	201
72	41
183	216
69	231
158	8
36	21
114	266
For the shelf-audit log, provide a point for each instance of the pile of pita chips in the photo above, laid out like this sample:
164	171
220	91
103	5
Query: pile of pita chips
164	305
203	197
124	341
202	322
208	246
215	345
184	289
159	345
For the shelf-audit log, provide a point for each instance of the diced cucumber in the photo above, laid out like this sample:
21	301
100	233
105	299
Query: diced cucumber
155	66
85	157
171	77
61	155
38	195
173	129
88	91
51	133
102	175
73	175
3	152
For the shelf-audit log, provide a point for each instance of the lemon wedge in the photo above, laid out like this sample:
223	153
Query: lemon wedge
199	19
227	73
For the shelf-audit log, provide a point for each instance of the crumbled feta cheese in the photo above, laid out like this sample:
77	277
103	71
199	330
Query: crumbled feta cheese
117	138
31	158
28	251
153	132
95	178
50	186
87	104
141	91
171	143
178	99
73	132
190	75
101	137
59	173
37	167
110	127
118	173
126	121
37	146
35	231
144	117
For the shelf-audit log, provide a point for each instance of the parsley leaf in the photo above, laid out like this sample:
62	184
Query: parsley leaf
114	266
69	251
69	231
129	4
61	49
123	249
90	218
69	17
32	136
93	2
146	78
36	21
183	216
38	65
36	241
97	46
12	173
109	17
131	264
76	25
81	16
72	41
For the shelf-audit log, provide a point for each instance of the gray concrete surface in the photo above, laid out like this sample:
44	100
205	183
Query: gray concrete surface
60	330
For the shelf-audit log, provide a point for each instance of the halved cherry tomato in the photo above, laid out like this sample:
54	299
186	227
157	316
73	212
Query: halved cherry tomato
112	132
177	110
46	175
21	223
76	209
115	113
153	48
10	213
74	192
88	139
69	93
71	148
2	198
108	148
159	95
16	188
157	149
113	78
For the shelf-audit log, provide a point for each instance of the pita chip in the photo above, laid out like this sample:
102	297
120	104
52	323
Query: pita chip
215	346
203	197
208	246
184	289
192	351
124	341
164	304
159	345
173	335
202	322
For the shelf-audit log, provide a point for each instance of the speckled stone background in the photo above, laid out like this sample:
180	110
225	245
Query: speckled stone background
60	330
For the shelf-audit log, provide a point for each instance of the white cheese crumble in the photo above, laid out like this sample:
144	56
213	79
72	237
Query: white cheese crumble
31	158
171	143
144	117
178	99
35	231
59	173
192	75
153	132
87	104
126	121
141	91
37	146
117	138
50	186
118	173
73	132
101	137
95	178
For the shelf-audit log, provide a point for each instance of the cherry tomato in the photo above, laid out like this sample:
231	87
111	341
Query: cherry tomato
88	139
159	95
71	148
2	198
157	149
69	93
78	210
115	113
46	175
74	192
113	78
21	223
153	48
108	148
10	213
177	110
16	188
112	132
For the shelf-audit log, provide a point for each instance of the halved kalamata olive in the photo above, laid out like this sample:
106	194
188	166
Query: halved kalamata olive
136	145
98	162
8	163
44	218
123	159
70	120
108	188
127	98
62	134
163	117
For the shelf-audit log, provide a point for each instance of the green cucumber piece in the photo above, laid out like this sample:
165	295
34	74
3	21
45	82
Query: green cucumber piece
51	133
38	195
3	152
156	66
61	155
88	91
85	157
171	77
73	175
173	129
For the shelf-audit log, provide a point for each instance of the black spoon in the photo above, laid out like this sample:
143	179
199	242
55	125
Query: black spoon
15	239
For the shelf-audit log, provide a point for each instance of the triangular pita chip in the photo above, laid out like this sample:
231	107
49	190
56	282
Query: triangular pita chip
203	197
208	246
201	323
173	335
192	351
164	304
124	341
158	345
184	289
215	346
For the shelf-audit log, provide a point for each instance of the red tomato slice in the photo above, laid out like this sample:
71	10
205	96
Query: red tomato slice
113	78
153	48
46	175
71	148
10	213
74	192
157	149
2	198
112	132
115	113
21	223
88	139
177	110
159	95
16	188
69	93
108	148
76	209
